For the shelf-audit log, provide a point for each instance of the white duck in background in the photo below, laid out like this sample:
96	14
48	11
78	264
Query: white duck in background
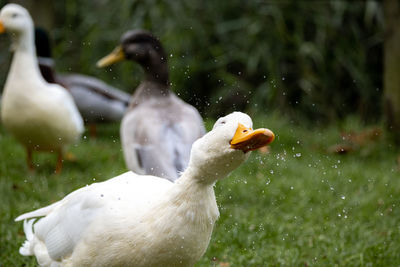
97	101
138	220
158	130
42	116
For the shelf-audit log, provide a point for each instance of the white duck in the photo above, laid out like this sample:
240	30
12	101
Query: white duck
97	101
158	129
40	115
138	220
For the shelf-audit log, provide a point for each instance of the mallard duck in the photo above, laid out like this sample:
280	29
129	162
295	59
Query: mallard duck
40	115
140	220
158	129
97	101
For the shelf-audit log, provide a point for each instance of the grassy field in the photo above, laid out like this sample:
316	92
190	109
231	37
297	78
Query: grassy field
297	205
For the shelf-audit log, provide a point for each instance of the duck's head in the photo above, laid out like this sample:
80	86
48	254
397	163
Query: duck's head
142	47
15	19
226	146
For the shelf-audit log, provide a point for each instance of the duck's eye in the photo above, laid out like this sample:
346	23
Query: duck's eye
223	122
14	15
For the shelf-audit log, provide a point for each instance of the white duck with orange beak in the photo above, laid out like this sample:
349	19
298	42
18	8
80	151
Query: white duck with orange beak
142	220
41	116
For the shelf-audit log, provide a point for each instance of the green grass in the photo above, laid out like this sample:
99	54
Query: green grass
296	206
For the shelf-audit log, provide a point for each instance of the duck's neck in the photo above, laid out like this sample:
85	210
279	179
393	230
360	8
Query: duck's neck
155	82
23	42
24	63
192	189
150	88
183	219
194	178
156	70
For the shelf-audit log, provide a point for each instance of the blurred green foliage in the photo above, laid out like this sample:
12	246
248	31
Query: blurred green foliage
320	60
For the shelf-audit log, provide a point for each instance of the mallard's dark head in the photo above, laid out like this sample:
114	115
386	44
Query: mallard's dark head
142	47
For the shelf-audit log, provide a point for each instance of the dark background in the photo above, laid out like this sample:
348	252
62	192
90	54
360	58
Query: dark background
316	61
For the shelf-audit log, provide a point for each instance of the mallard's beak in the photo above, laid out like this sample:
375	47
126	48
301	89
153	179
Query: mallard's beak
116	55
247	139
2	29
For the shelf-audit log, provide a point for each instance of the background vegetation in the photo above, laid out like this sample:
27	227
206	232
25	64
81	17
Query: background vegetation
319	59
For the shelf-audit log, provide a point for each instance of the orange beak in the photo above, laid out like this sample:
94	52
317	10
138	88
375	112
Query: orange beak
2	29
247	139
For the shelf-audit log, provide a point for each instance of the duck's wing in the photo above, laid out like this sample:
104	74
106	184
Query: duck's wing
96	107
94	85
182	133
157	139
143	135
191	123
66	222
39	212
60	97
97	101
166	158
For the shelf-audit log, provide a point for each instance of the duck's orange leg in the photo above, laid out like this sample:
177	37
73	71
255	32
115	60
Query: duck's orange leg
59	161
92	130
29	161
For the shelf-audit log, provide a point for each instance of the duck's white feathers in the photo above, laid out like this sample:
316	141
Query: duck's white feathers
68	220
40	115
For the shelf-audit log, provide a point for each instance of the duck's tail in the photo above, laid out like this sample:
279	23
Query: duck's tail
27	247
